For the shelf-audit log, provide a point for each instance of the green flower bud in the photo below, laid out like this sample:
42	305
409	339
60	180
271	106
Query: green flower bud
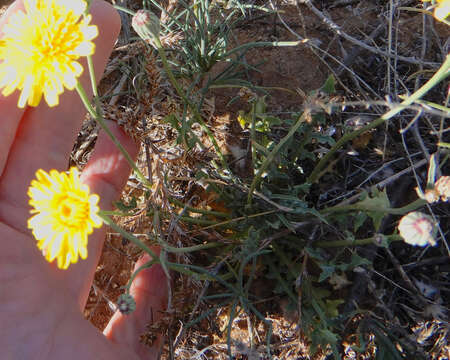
126	304
146	24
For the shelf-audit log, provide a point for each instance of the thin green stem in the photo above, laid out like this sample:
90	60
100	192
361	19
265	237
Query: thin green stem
187	249
102	123
239	219
358	242
107	220
138	270
258	177
359	207
84	98
253	141
94	85
441	74
89	2
97	113
197	221
181	93
124	9
199	211
173	266
92	75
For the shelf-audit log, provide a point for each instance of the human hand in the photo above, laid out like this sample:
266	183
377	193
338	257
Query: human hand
40	305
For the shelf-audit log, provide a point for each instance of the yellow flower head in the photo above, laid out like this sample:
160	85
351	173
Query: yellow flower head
40	48
65	213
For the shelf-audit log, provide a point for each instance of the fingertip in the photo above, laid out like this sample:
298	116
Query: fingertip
144	283
149	290
106	17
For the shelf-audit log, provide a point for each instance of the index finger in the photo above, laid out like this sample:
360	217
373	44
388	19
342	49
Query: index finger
10	114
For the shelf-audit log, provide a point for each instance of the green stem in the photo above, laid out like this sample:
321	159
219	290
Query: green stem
94	85
359	242
181	268
124	9
181	93
92	75
97	114
84	98
173	266
239	219
197	221
187	249
358	207
107	220
199	211
88	7
254	143
155	259
102	123
441	74
138	270
258	177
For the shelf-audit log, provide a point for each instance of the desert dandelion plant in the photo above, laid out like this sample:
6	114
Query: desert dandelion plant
64	214
40	49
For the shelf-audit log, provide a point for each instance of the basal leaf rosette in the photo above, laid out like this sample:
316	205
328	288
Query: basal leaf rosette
64	214
40	48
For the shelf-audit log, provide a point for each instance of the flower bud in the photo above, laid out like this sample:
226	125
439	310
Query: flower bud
146	24
126	304
417	228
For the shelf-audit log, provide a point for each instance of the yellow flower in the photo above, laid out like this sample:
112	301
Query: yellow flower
65	213
40	48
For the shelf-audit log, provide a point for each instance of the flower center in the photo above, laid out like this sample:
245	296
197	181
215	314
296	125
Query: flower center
72	211
66	210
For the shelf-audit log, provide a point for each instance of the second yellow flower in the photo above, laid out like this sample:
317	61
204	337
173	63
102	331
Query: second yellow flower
65	213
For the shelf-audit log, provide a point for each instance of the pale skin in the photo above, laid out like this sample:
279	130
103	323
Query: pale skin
40	305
